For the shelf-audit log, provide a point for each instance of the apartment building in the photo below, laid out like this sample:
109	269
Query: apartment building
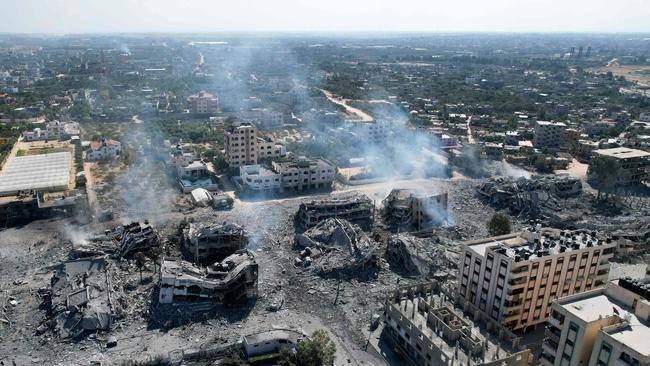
264	118
244	147
608	326
407	208
548	135
53	130
289	175
203	103
514	278
634	164
430	330
374	132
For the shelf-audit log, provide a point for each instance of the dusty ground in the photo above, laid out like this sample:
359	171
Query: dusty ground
637	73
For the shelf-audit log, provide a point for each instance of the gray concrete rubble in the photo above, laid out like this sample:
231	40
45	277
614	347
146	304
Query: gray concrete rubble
119	242
408	209
526	196
231	281
211	243
81	298
358	208
336	244
420	256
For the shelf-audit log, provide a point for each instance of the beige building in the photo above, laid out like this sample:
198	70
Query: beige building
608	326
514	278
203	103
407	208
244	147
548	135
634	163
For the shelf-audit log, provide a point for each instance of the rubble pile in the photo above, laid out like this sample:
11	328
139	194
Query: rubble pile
81	298
336	244
119	242
359	209
231	281
420	256
211	243
529	196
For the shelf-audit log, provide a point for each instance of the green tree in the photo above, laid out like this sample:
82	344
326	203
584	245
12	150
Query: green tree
499	224
603	170
140	260
318	351
155	254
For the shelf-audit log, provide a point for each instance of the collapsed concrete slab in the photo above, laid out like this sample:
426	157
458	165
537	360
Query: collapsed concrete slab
120	241
408	209
208	244
336	244
418	256
81	298
359	209
231	281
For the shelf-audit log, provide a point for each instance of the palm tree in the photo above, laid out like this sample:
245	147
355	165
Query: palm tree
140	260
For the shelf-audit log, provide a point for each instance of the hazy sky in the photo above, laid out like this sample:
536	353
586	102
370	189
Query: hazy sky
80	16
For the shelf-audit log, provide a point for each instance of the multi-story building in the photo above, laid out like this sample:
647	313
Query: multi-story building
406	208
514	278
53	130
289	175
429	329
203	103
264	118
244	147
608	326
548	135
634	164
374	132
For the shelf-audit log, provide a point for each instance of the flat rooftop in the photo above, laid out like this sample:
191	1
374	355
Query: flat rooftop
622	153
592	308
532	244
37	172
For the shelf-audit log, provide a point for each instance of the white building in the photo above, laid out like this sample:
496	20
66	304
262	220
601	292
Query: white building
105	149
294	175
53	130
264	118
258	178
605	327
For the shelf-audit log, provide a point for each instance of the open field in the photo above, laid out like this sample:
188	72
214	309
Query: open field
636	73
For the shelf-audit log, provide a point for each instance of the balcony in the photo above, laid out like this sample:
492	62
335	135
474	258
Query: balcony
546	359
553	333
550	346
554	322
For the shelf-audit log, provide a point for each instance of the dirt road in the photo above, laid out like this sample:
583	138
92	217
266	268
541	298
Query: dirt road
363	116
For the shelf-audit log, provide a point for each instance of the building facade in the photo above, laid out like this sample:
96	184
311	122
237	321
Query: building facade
105	149
634	164
608	326
548	135
290	175
244	147
514	278
203	103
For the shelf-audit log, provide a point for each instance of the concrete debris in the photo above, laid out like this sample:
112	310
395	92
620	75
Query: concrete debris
119	242
81	297
232	281
336	244
359	209
420	256
207	244
408	209
525	195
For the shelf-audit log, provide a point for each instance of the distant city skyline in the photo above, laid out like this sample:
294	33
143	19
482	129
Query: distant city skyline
141	16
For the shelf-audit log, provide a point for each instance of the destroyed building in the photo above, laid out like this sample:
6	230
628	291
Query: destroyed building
423	323
406	209
359	209
207	244
418	256
231	281
336	244
119	242
30	205
525	195
81	298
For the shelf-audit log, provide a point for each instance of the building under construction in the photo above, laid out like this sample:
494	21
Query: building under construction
208	244
231	281
358	209
408	209
430	330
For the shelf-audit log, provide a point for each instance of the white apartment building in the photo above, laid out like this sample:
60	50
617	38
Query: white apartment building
203	103
514	278
244	147
608	326
293	175
548	135
105	149
264	118
374	132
